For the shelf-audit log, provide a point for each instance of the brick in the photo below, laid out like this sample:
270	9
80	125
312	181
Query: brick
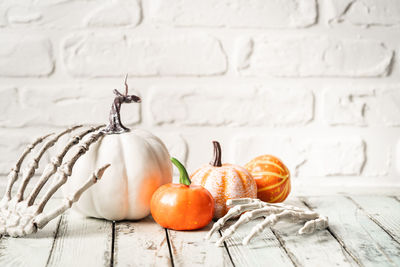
389	106
117	13
334	156
312	56
24	15
25	56
114	54
9	105
210	106
362	107
306	156
347	106
51	14
40	14
11	145
365	12
63	106
379	156
235	13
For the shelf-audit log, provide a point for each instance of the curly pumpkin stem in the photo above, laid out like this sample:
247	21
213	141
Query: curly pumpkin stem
115	126
216	161
183	175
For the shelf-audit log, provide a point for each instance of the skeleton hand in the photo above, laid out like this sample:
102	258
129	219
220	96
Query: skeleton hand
272	212
19	216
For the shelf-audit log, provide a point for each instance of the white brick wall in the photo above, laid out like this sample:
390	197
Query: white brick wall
315	82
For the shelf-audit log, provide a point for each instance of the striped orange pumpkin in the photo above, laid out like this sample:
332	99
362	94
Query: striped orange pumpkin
224	181
272	178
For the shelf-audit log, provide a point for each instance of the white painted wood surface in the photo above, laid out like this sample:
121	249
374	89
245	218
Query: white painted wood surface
385	211
264	249
31	250
86	239
363	231
318	249
140	243
190	249
360	236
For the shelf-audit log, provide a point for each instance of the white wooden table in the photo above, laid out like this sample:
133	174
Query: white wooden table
364	231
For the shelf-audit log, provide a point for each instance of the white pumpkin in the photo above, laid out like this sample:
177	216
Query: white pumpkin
140	163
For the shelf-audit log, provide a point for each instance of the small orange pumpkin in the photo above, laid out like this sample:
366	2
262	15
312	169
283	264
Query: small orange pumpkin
182	206
224	181
272	178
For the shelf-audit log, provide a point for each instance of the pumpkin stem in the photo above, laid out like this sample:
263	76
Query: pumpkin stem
216	161
183	175
115	126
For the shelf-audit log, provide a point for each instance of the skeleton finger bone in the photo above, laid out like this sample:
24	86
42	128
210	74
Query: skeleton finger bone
233	212
51	168
65	171
33	165
313	225
274	212
272	219
42	219
13	175
248	216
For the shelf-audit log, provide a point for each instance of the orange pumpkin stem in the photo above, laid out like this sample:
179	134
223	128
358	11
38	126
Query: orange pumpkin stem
115	126
216	161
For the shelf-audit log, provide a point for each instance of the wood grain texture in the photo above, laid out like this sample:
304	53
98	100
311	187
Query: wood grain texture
317	249
359	235
364	231
190	249
141	243
32	250
385	211
82	241
263	250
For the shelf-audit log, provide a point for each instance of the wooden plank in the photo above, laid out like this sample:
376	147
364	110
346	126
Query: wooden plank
141	243
264	249
32	250
383	210
368	244
317	249
82	241
190	249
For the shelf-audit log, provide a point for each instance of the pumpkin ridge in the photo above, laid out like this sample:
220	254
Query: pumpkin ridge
224	185
125	178
269	162
262	173
280	194
280	198
164	149
205	176
195	173
242	179
96	157
273	186
154	155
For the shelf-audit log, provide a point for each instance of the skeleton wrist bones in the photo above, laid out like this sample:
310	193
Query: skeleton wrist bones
19	216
